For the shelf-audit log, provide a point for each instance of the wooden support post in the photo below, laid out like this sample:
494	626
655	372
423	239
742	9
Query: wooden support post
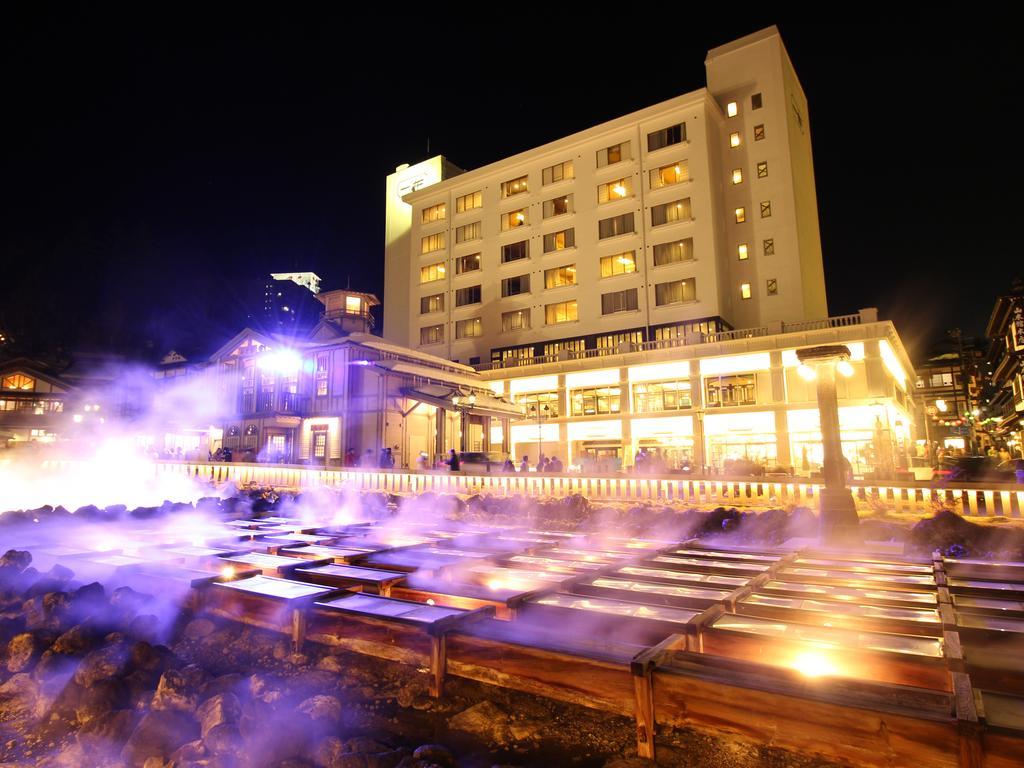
643	685
438	664
969	727
298	629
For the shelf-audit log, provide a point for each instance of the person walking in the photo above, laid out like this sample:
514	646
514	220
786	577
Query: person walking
453	461
524	465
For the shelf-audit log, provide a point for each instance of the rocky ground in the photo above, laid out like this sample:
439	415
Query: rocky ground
84	683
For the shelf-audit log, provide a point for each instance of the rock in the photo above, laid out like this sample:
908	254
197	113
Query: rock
78	640
265	688
325	709
230	683
486	720
18	695
16	560
328	753
101	664
59	573
363	745
158	734
189	754
89	600
197	629
100	698
435	753
408	694
54	666
222	709
224	739
153	762
105	730
46	611
127	599
331	664
179	689
145	627
389	759
22	652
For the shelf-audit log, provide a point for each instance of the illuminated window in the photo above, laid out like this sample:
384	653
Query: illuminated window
321	374
756	102
766	209
745	290
741	251
619	264
677	210
20	382
465	329
469	202
556	173
539	405
758	132
433	303
470	295
609	343
518	320
568	345
558	206
657	396
353	304
557	241
615	190
772	287
468	263
762	170
731	390
562	312
432	334
432	243
319	441
734	139
675	292
741	215
514	353
434	213
737	175
513	286
467	232
666	137
731	109
560	276
432	272
769	246
616	153
595	400
619	301
513	219
616	225
515	251
514	186
670	253
667	175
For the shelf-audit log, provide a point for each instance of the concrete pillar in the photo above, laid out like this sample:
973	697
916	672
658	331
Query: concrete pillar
782	446
697	402
838	512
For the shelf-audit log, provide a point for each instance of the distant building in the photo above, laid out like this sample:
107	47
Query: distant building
947	389
1004	389
285	302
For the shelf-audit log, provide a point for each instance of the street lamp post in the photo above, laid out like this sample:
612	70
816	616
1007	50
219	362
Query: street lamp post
838	522
538	411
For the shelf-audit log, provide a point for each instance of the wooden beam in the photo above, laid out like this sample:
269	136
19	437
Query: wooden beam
438	664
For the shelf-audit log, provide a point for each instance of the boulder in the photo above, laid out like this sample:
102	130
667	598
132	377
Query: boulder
222	709
436	754
179	689
321	709
105	730
231	683
224	739
16	560
23	652
101	697
485	720
197	629
18	696
78	640
110	661
158	734
46	611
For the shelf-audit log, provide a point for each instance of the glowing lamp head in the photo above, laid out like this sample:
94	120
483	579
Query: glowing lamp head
806	372
844	368
941	405
619	190
285	361
228	571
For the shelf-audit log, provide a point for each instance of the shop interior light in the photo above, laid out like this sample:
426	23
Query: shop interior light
806	372
941	405
844	367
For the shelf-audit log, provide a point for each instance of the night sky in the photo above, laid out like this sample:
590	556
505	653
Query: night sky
152	167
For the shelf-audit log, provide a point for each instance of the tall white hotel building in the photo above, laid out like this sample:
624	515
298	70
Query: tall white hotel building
683	236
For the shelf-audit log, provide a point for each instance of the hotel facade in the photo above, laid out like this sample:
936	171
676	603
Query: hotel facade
640	288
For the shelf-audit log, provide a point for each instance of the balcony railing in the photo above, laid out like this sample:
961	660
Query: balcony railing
840	321
287	403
